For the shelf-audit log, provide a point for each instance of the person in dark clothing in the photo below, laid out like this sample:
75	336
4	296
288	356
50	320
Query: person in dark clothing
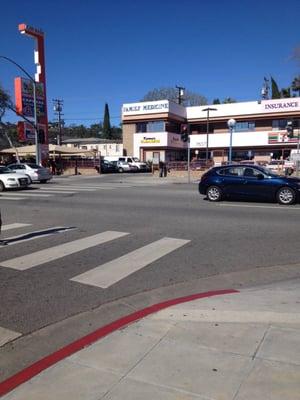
165	170
161	169
53	166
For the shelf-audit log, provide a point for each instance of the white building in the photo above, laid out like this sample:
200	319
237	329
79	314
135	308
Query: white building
103	147
151	130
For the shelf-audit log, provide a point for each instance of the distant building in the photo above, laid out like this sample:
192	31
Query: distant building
152	130
104	147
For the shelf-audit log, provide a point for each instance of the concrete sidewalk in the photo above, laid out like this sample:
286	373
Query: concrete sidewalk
237	346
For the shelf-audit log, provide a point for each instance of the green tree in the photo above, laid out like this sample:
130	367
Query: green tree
275	90
106	130
285	92
228	100
216	101
169	93
296	85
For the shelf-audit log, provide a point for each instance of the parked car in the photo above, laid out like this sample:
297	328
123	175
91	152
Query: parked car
123	166
251	182
133	161
285	166
35	172
12	180
108	167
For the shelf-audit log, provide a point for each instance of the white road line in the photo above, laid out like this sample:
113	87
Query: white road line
58	191
54	253
36	235
12	198
68	189
107	274
250	206
6	335
29	195
13	226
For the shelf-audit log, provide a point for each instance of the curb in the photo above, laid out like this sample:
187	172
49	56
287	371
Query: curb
46	362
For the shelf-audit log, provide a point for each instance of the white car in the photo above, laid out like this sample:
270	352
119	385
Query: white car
34	171
123	166
12	180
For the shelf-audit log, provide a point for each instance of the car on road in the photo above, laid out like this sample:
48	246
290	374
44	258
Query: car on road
249	182
12	180
36	173
123	166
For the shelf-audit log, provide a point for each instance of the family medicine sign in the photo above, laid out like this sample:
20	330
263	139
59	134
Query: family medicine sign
146	108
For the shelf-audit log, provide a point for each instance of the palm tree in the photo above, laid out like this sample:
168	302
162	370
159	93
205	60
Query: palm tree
296	85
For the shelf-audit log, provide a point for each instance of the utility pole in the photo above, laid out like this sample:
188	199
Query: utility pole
181	90
57	107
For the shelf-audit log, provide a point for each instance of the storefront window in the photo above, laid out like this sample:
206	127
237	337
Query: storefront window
244	126
279	124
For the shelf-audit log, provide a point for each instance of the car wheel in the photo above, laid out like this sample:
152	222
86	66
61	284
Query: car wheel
214	193
286	196
2	187
43	181
120	169
30	180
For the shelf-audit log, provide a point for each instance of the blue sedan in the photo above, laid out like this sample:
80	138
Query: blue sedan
249	182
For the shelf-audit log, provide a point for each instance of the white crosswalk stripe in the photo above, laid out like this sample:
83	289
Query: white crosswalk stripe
58	191
107	274
6	335
12	198
65	188
54	253
13	226
22	194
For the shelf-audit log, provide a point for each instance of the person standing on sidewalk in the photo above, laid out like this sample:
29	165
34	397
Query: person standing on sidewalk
161	168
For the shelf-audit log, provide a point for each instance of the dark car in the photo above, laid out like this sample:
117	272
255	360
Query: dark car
107	167
249	181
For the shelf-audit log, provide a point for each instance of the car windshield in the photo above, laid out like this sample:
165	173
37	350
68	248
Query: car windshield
5	170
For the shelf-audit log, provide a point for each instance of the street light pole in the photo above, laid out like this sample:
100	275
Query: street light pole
231	124
35	123
208	109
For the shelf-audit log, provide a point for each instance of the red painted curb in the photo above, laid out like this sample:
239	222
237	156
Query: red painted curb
39	366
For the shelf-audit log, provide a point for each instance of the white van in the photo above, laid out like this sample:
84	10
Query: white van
134	161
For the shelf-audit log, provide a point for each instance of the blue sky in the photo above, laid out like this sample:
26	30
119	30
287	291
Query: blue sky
116	51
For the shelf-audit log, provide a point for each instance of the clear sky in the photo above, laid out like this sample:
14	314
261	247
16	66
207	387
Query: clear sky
116	51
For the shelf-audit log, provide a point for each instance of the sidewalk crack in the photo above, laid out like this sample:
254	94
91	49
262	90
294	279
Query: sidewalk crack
138	362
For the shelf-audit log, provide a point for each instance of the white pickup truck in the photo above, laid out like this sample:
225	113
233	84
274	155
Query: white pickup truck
285	167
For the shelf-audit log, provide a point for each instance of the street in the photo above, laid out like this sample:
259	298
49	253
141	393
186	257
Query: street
78	243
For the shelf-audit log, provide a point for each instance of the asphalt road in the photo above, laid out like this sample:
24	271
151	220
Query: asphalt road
213	238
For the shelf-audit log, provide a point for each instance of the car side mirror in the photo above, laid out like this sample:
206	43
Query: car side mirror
260	176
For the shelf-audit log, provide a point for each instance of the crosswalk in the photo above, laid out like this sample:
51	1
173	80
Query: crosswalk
62	188
103	276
